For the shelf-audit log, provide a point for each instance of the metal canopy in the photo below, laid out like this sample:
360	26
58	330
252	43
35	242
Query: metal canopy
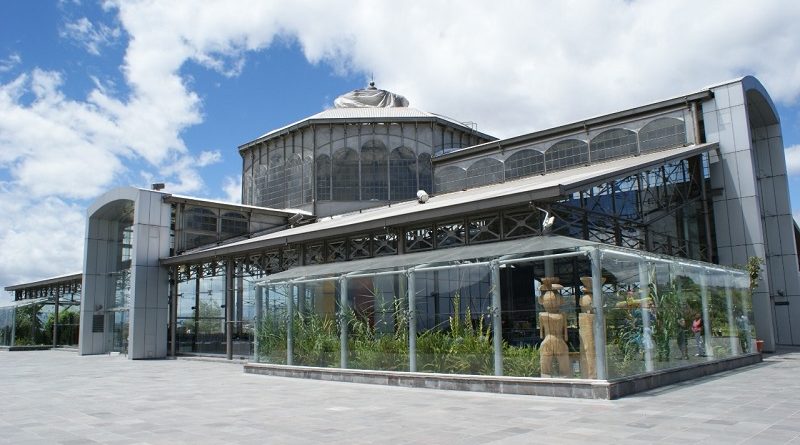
28	302
489	250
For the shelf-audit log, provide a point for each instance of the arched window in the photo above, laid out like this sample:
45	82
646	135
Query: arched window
661	133
344	175
323	178
199	218
450	179
615	143
484	171
565	154
402	174
308	177
294	181
425	173
374	183
276	182
260	186
526	162
233	223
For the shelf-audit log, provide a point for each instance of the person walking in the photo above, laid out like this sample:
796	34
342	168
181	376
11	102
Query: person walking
697	329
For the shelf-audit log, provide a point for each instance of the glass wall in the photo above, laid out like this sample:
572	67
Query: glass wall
6	325
201	315
663	314
453	320
585	312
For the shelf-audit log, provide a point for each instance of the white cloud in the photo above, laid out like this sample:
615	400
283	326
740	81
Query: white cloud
512	67
10	62
792	159
232	187
39	238
91	37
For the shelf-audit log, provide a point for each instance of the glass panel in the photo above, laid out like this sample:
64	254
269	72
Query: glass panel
6	325
119	331
402	174
523	163
425	173
612	144
565	154
450	179
201	317
276	180
30	325
345	175
453	323
374	171
661	133
315	325
323	178
271	320
483	172
377	322
625	341
294	181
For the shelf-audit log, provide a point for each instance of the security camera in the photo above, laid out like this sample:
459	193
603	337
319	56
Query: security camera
422	196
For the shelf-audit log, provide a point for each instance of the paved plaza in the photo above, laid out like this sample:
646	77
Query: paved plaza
58	397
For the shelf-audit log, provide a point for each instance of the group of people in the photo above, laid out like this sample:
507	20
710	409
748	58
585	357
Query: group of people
696	328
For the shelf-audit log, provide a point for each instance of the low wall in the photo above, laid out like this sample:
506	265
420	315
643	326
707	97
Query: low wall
551	387
26	348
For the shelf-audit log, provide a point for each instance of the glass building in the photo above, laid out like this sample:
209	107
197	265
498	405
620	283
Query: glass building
379	238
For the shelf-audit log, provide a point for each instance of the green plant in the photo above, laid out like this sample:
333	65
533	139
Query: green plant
667	310
375	344
521	361
754	267
315	340
464	348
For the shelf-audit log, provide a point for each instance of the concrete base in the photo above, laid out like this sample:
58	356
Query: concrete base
26	348
631	385
574	388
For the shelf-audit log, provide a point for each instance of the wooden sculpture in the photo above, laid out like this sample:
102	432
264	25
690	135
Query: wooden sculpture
586	330
553	328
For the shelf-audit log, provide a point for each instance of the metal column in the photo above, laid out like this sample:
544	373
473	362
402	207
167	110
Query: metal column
706	316
229	309
289	323
259	319
497	325
732	326
644	307
412	321
599	328
55	317
173	312
343	322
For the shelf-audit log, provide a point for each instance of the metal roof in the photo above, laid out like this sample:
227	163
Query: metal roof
47	281
478	251
233	206
366	115
547	187
673	103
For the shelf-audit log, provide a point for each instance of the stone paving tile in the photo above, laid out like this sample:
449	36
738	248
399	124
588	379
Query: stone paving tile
58	397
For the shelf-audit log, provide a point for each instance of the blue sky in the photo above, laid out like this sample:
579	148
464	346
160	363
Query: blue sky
99	94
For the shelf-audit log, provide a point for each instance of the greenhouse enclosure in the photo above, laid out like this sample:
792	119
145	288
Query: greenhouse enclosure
43	314
544	309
